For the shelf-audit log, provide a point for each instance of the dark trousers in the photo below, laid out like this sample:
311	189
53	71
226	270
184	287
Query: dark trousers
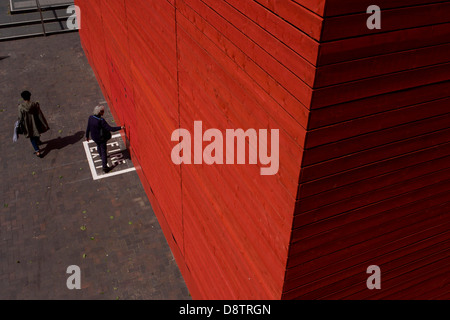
102	150
35	143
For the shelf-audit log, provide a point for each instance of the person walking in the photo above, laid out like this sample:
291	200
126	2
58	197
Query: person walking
33	120
100	131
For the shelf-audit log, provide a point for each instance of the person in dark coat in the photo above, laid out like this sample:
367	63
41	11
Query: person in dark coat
96	126
33	119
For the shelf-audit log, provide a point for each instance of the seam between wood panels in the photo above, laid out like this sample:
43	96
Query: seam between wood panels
179	124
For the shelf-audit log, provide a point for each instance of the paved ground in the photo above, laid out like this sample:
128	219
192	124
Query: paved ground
52	213
31	4
28	23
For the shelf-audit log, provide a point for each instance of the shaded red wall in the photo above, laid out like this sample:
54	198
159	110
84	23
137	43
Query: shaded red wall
374	184
363	118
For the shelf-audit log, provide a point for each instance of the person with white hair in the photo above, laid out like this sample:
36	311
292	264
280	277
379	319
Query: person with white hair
100	131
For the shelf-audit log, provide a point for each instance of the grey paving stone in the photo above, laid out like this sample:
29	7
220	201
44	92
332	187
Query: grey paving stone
52	213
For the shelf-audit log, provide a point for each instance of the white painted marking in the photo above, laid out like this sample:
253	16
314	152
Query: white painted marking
90	157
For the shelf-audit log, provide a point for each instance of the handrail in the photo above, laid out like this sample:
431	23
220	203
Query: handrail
42	18
30	22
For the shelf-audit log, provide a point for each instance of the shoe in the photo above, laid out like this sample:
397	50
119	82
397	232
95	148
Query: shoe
38	154
107	169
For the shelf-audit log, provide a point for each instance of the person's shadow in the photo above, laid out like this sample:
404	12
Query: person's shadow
60	143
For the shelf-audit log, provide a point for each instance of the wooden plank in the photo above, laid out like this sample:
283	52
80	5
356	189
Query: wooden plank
414	276
201	260
379	85
230	98
381	126
299	16
161	80
359	228
370	185
288	80
376	104
345	282
224	228
176	250
380	153
374	139
400	198
347	26
286	57
393	280
349	279
414	201
160	30
336	7
384	64
415	289
316	268
241	65
341	269
163	115
343	248
372	170
317	6
437	281
249	178
376	122
383	43
267	190
289	166
204	253
288	34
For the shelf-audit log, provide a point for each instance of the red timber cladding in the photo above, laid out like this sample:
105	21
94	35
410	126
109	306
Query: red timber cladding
375	176
136	67
364	119
237	222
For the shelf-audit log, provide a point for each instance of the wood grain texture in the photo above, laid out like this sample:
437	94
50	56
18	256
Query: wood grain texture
363	116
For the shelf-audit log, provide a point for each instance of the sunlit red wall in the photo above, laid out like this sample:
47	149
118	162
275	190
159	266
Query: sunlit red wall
364	139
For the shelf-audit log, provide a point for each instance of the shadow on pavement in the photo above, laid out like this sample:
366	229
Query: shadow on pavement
61	143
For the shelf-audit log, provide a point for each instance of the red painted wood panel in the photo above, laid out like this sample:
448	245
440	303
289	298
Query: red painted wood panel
382	64
270	64
253	77
365	157
364	139
375	139
364	107
363	258
406	17
292	36
301	17
383	43
375	163
337	7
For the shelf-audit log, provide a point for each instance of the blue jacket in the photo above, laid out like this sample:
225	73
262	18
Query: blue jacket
94	125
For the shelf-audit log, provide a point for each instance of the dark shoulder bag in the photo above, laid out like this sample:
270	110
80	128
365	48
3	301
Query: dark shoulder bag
105	135
21	127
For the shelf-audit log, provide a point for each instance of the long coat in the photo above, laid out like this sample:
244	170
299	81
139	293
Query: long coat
33	118
95	125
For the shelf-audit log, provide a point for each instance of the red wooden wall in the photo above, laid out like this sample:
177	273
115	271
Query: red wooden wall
374	185
364	139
